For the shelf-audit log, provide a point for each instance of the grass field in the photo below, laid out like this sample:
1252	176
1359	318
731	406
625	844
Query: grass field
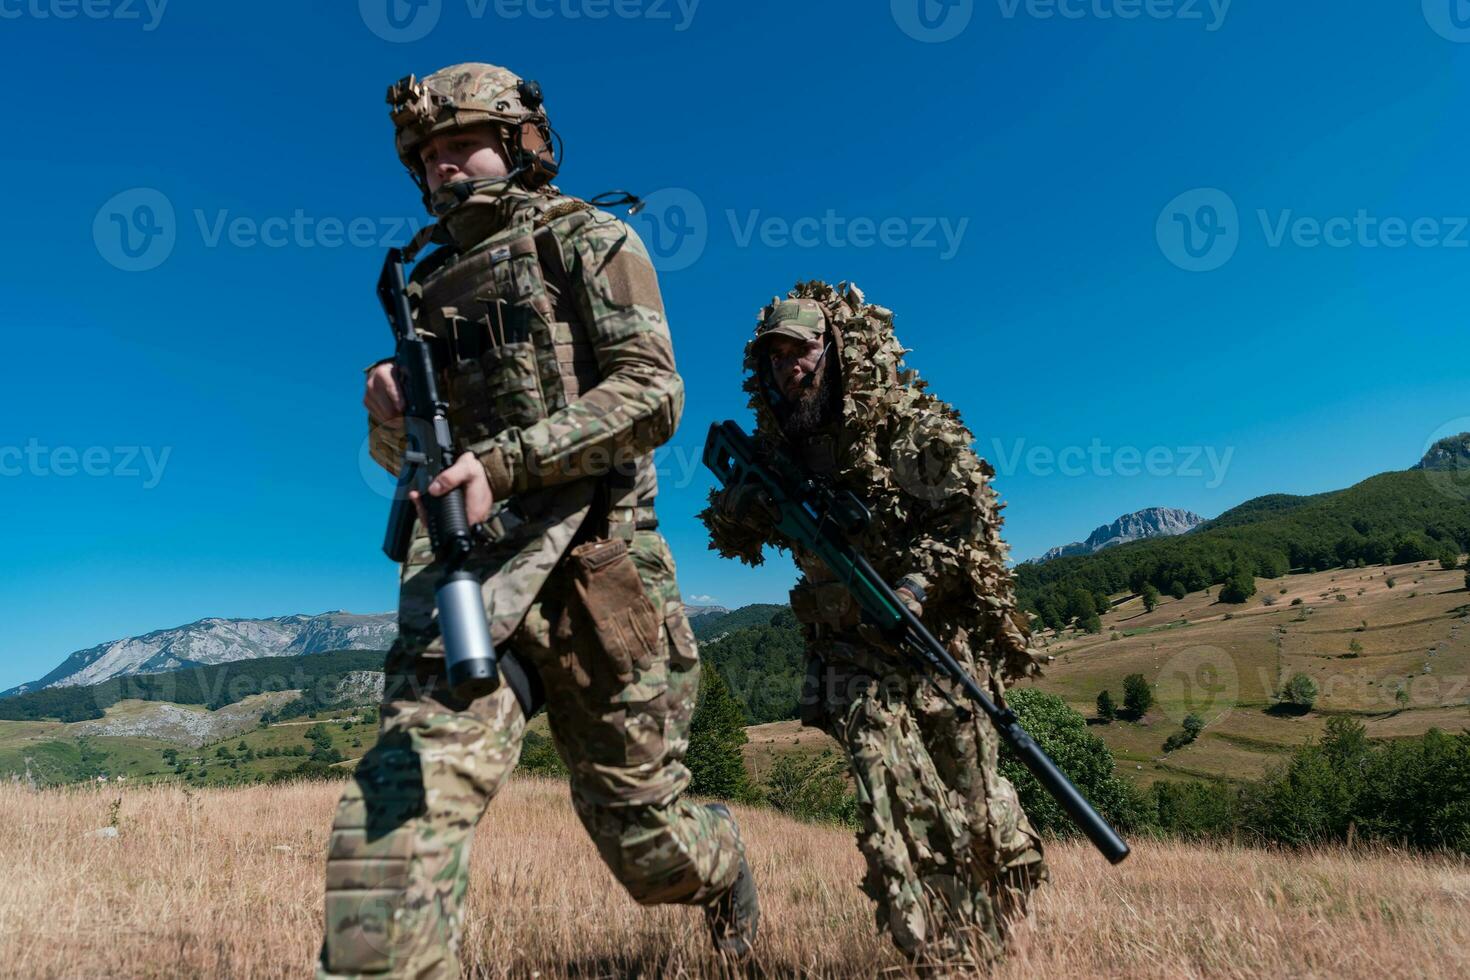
228	883
1397	658
1361	649
1227	670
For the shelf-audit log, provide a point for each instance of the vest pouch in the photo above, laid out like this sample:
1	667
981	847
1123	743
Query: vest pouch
612	595
513	385
828	603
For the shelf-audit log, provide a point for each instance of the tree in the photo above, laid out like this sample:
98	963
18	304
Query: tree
1062	733
1092	624
1106	709
1150	598
1177	590
1239	587
1193	725
1300	692
1138	696
1450	558
716	734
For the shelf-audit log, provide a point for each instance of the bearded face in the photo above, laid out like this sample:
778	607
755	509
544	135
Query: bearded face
813	403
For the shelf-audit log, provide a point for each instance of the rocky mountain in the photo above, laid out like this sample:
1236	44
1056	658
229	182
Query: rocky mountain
1152	522
1452	453
217	641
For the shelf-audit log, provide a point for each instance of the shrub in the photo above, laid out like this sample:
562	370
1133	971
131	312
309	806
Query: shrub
1297	601
1177	590
811	788
1195	811
1064	736
539	756
1299	692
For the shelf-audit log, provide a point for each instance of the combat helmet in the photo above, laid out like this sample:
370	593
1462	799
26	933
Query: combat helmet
476	94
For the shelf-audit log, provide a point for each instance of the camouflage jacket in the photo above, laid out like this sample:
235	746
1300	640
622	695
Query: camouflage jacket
558	366
908	456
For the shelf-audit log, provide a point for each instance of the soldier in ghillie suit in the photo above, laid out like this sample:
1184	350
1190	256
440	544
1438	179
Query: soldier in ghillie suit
559	373
951	857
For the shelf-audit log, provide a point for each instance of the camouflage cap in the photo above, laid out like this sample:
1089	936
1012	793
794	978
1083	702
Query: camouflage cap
801	319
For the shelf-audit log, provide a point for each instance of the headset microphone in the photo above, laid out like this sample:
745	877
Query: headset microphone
811	379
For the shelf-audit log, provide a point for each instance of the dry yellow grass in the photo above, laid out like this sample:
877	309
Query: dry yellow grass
227	883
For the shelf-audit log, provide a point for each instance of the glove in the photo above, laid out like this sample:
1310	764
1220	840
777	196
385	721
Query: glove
750	507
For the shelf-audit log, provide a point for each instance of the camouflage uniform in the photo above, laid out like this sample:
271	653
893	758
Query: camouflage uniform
951	857
561	379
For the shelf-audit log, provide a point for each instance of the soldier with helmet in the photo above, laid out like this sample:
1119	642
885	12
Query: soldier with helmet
560	378
951	857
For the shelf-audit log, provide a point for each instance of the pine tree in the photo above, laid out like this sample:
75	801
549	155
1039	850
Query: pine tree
716	734
1138	697
1106	709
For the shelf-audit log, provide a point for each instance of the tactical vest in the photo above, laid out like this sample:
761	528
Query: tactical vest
514	348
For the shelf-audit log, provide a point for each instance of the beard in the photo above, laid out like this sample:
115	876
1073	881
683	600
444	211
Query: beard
813	409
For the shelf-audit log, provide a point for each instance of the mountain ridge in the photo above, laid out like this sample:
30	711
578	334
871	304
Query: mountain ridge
217	640
1150	522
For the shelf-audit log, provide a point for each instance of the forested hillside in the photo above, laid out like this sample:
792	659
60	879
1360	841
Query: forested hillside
1393	518
315	675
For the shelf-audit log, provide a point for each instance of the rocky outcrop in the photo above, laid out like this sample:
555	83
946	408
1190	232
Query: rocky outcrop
218	641
182	725
1452	453
1152	522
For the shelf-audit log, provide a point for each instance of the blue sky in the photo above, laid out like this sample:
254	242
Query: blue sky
1160	253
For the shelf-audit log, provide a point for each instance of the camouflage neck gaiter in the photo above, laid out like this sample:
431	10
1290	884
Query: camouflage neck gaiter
472	212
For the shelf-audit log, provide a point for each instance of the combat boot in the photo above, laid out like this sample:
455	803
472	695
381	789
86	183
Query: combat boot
735	916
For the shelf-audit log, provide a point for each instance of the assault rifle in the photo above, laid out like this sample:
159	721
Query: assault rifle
468	652
821	520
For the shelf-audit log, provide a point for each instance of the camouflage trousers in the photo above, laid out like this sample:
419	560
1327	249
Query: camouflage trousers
952	858
397	863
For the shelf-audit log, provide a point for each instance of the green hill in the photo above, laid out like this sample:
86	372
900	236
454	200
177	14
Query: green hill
316	675
762	661
1392	518
708	627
